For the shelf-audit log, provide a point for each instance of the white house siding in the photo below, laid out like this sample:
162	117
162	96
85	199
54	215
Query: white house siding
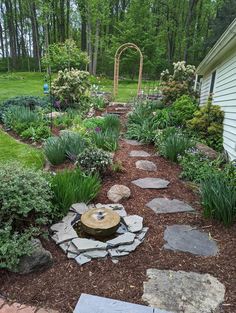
224	95
205	89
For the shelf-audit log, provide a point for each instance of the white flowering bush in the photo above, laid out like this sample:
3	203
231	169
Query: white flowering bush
93	160
179	83
71	87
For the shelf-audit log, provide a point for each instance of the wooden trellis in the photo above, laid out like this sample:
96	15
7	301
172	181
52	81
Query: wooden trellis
119	51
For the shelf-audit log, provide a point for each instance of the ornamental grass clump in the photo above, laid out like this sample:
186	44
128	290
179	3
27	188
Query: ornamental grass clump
219	198
172	143
74	186
55	150
93	160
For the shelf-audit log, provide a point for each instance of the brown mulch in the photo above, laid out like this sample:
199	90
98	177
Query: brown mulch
60	286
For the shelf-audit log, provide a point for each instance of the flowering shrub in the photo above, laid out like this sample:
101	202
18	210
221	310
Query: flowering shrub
179	83
93	160
207	124
71	87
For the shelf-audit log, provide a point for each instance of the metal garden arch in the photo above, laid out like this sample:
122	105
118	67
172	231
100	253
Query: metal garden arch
119	51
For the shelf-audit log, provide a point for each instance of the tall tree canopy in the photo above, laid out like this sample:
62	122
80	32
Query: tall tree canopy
165	31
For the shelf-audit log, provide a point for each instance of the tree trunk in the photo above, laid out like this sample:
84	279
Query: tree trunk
11	32
35	34
96	44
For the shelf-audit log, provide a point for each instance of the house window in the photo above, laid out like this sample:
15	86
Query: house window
213	78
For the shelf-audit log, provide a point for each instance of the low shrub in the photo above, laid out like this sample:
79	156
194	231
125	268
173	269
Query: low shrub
13	246
98	103
25	197
25	205
207	124
38	133
196	166
93	160
182	110
172	142
73	186
55	150
30	102
93	123
219	198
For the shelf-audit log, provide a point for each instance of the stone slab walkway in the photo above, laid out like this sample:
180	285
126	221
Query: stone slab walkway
7	307
92	304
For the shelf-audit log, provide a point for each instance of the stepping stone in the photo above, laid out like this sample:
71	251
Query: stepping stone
90	304
185	238
146	165
180	291
151	183
139	153
134	223
133	142
118	192
164	205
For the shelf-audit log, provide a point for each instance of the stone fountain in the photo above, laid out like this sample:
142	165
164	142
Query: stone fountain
98	231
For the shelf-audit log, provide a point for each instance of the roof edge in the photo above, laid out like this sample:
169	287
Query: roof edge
220	46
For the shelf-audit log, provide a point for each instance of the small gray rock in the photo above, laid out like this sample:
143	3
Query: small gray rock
122	229
129	248
72	248
164	205
146	165
134	223
64	246
39	259
122	239
180	291
82	259
187	239
83	244
140	236
151	183
114	253
139	153
118	192
64	235
71	255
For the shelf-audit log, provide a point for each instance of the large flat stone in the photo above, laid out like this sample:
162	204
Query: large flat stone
164	205
83	244
185	238
126	238
180	291
146	165
134	223
95	304
151	183
139	153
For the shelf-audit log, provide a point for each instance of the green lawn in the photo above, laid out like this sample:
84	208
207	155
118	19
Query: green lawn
18	84
12	150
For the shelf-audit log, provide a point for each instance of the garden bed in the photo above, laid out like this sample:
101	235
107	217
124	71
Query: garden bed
60	286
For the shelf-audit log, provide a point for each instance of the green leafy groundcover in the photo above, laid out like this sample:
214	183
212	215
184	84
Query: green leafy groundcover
12	150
